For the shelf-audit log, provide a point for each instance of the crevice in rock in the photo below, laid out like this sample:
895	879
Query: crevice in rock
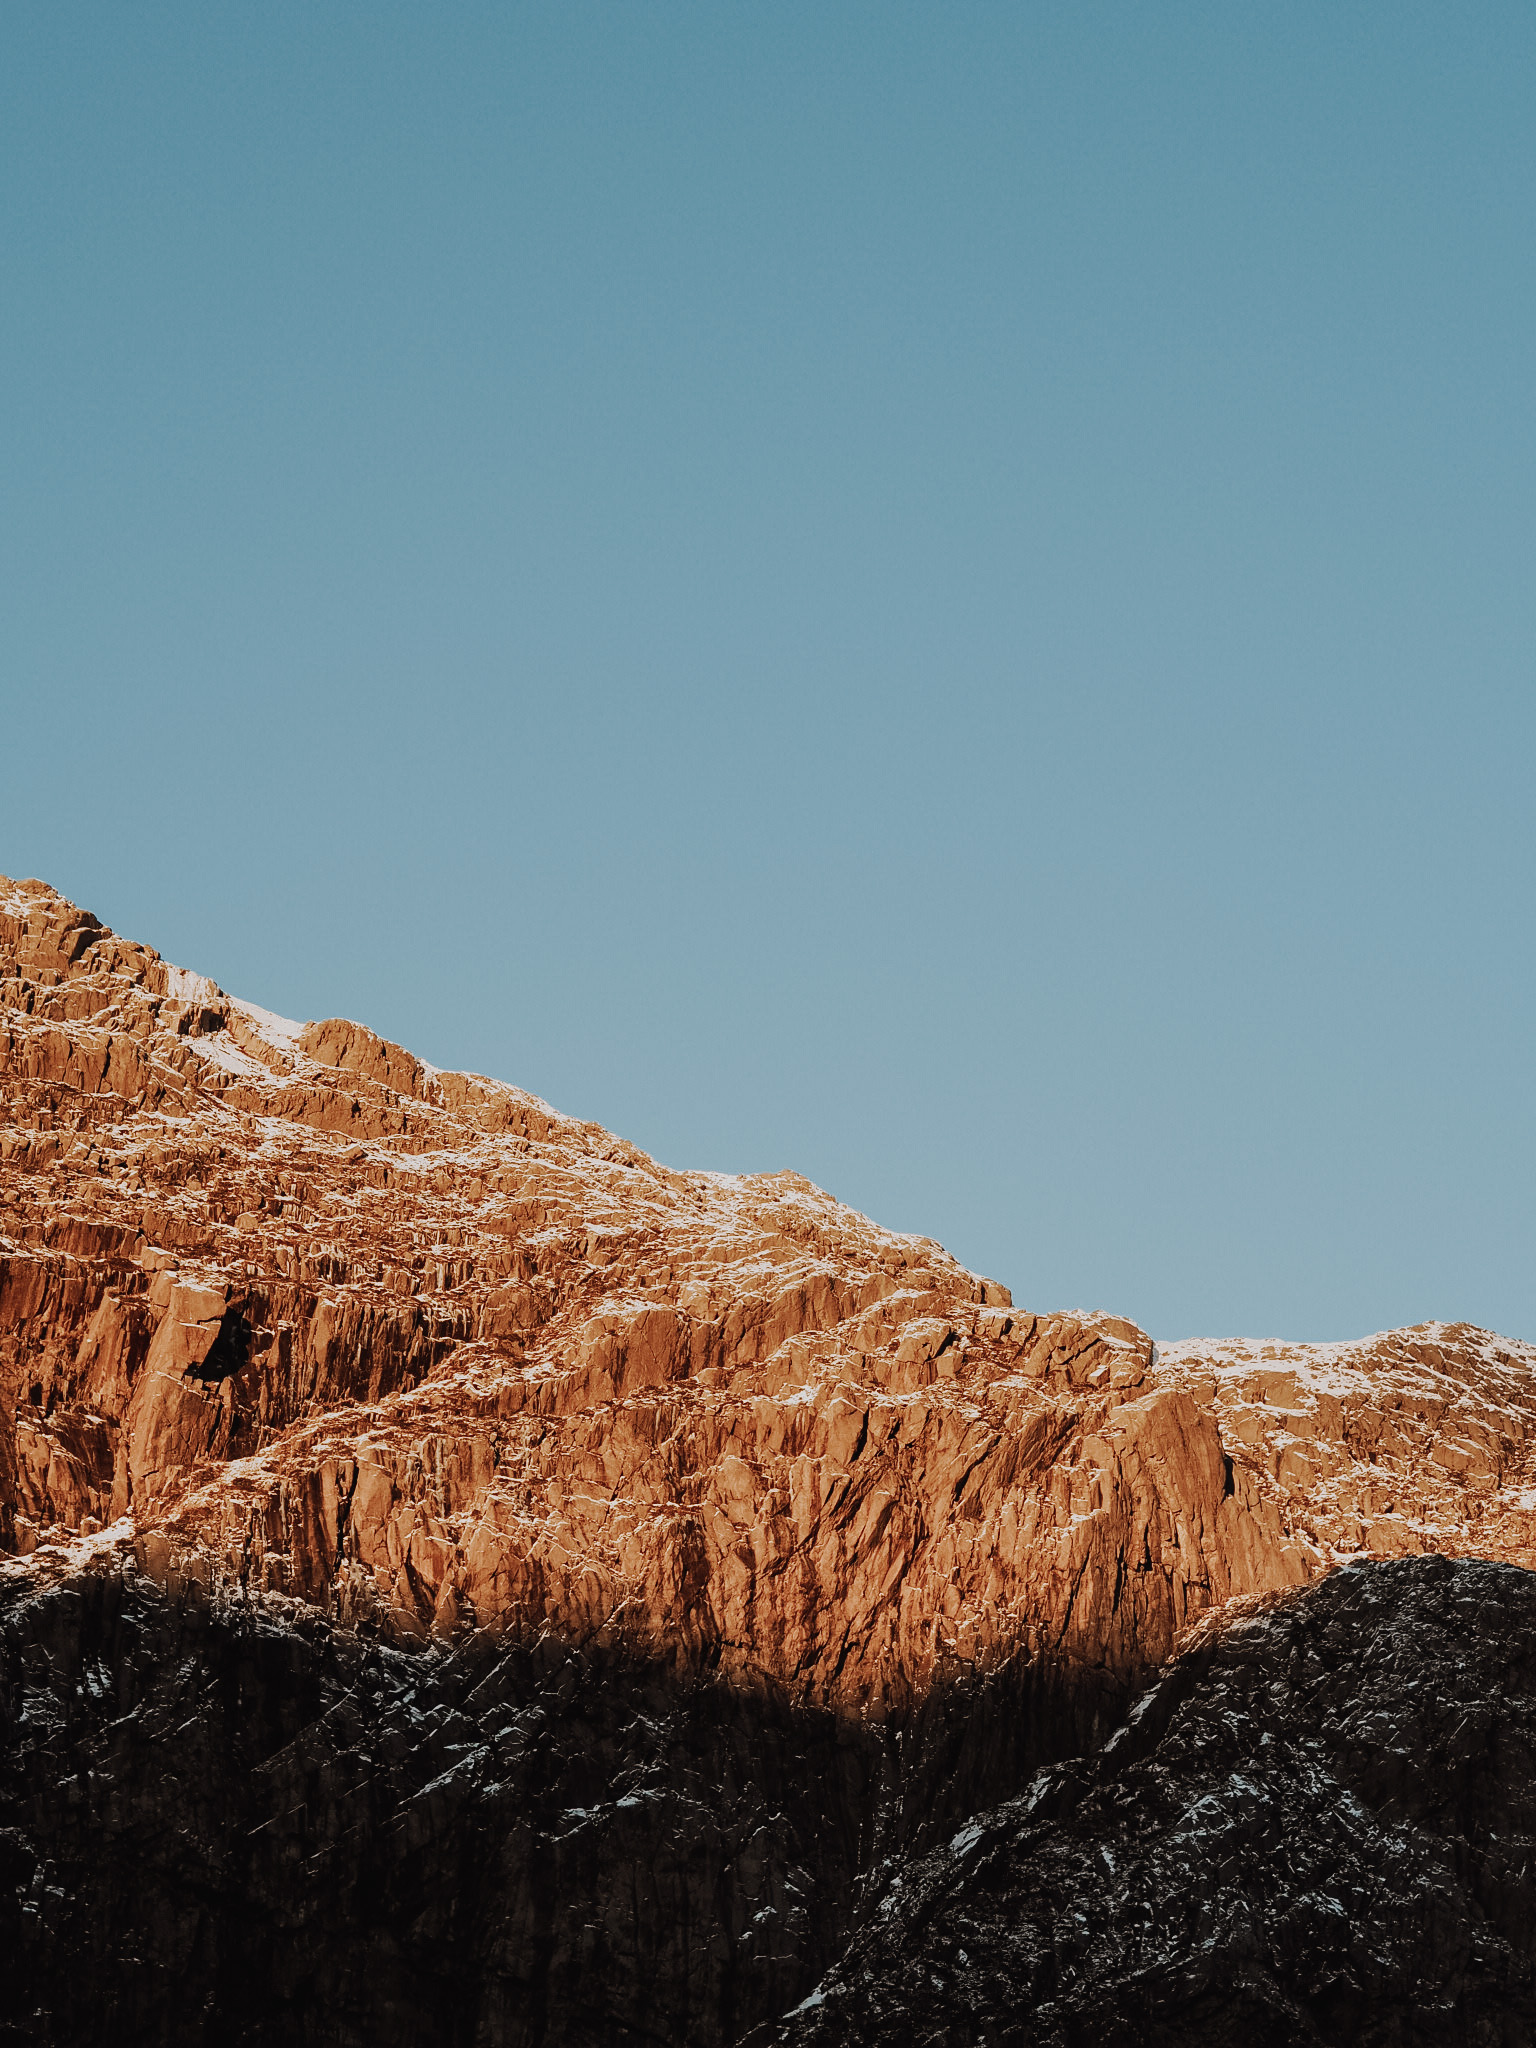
229	1353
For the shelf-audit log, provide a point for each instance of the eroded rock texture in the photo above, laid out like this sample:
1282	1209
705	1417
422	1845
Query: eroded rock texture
332	1348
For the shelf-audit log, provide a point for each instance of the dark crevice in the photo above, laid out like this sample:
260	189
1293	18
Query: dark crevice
230	1352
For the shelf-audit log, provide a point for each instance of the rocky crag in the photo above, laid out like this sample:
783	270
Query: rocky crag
576	1585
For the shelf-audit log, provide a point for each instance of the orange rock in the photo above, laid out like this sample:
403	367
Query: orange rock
421	1350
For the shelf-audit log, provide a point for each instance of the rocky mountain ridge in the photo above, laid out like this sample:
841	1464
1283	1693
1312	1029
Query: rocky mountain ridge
297	1332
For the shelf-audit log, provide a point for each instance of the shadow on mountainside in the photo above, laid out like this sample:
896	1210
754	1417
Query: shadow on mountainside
1317	1827
242	1823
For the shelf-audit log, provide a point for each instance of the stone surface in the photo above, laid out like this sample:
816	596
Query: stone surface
1317	1827
294	1325
241	1821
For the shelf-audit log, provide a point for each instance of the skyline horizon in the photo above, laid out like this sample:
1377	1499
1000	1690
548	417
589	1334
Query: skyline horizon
1229	1340
941	599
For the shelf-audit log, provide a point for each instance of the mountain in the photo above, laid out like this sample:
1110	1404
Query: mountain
469	1582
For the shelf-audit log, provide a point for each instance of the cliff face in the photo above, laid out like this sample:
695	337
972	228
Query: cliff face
304	1342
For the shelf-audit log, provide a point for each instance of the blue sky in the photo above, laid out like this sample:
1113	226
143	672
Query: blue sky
937	595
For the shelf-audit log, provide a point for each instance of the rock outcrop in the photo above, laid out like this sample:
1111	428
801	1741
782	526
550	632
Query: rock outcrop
1317	1827
303	1335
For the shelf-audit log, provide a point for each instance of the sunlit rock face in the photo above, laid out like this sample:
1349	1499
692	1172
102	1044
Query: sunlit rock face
309	1351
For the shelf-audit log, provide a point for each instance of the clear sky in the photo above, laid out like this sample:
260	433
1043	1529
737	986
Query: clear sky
940	595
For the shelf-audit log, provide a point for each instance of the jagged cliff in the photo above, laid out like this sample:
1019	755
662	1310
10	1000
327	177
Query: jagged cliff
305	1343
